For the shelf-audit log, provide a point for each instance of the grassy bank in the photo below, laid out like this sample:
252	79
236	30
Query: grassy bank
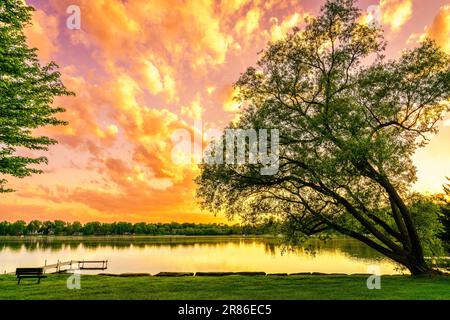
228	287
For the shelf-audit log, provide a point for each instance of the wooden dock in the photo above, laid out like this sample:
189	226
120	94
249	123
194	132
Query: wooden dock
63	266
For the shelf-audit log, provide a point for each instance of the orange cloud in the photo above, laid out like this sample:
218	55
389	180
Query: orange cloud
250	22
440	28
142	70
227	97
279	30
43	34
395	13
194	110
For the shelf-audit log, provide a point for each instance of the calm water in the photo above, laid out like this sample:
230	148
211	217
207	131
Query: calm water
192	254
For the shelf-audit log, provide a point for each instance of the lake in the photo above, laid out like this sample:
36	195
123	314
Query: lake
193	254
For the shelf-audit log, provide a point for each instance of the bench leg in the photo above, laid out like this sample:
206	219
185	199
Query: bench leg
39	280
18	282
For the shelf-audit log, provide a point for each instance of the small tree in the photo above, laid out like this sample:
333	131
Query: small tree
347	132
27	91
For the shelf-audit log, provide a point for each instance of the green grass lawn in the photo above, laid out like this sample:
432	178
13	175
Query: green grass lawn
228	287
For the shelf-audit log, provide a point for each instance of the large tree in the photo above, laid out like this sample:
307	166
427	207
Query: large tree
349	122
27	91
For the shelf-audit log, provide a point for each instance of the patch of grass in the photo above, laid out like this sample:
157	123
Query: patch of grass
228	287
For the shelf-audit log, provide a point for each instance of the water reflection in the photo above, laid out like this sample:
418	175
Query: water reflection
155	254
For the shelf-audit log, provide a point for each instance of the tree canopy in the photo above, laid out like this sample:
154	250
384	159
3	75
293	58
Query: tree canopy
27	92
349	121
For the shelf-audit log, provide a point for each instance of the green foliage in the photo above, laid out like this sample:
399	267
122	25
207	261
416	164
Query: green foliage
427	216
27	91
444	202
445	220
59	227
17	228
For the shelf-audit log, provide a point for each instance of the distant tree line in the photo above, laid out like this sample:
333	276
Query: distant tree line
58	227
266	227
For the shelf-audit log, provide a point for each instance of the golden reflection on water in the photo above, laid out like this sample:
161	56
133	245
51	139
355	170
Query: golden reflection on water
196	254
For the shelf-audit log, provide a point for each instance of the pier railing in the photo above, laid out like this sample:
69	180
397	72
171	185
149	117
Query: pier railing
63	266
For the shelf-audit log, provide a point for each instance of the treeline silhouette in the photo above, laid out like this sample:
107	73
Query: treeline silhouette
59	227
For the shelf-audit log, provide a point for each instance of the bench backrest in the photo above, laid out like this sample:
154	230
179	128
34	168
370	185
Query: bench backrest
29	271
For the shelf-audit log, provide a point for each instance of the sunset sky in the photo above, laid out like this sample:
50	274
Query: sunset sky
142	69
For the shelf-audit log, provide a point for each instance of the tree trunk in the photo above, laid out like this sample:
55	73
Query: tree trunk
419	267
416	265
414	261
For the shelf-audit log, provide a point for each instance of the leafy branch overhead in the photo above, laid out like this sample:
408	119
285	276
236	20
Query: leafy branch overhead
27	92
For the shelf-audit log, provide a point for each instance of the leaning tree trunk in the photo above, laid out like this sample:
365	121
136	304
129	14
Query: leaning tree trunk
415	263
410	259
414	259
419	267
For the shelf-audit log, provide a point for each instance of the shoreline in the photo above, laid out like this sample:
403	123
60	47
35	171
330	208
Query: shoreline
128	237
157	237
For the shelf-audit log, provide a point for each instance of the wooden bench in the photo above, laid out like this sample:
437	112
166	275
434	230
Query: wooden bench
30	273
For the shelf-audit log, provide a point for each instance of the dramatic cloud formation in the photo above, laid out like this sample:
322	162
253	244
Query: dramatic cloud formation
440	28
43	34
395	13
142	70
